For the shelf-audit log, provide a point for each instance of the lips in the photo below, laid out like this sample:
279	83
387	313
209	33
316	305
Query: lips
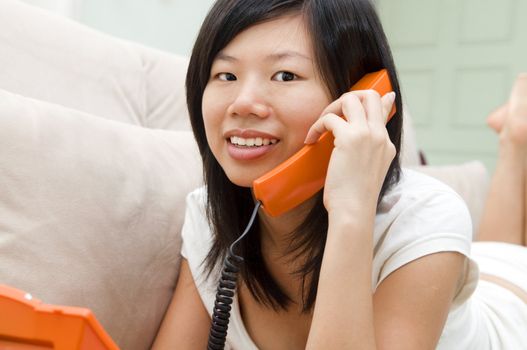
248	153
249	144
249	133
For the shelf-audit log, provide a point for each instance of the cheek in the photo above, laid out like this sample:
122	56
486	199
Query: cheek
303	115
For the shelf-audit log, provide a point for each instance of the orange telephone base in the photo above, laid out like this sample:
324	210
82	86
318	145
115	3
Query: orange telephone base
28	324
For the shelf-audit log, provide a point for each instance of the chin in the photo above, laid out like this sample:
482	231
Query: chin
244	177
242	181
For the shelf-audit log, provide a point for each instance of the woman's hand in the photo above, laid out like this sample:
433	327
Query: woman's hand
363	151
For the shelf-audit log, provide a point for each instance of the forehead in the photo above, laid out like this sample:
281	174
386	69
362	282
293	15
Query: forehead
283	34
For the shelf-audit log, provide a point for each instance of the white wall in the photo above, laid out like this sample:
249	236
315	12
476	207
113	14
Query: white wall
170	25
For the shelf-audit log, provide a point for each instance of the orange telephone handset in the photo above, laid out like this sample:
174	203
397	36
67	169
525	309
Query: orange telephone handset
304	174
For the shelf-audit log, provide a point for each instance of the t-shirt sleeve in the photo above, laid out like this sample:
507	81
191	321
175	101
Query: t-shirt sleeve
435	221
187	226
197	240
186	230
195	234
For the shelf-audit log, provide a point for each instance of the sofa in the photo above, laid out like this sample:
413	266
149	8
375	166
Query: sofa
96	159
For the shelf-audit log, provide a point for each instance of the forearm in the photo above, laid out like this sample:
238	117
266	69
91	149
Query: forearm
343	314
505	198
524	233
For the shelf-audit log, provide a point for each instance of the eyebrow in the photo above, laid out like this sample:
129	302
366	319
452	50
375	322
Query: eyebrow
273	57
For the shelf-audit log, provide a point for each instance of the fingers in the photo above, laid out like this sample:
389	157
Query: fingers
349	106
370	99
329	122
387	104
364	109
353	109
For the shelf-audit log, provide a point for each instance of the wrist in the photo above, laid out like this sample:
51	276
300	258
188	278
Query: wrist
344	222
351	210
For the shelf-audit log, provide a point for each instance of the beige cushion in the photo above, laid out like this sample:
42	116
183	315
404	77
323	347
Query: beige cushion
91	211
470	180
51	58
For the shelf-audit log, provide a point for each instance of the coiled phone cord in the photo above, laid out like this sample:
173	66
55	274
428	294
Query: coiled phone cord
226	291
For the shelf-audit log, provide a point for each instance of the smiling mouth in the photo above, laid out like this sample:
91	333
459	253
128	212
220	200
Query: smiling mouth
252	142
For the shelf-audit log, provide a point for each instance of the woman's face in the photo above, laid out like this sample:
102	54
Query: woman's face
263	95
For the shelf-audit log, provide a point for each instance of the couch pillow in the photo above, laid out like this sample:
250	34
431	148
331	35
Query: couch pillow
91	211
165	98
52	58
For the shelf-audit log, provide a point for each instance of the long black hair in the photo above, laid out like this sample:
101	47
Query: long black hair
348	42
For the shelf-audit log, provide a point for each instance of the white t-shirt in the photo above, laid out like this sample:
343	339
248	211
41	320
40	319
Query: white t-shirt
417	217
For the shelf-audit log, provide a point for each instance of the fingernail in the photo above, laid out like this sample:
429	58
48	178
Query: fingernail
307	140
391	97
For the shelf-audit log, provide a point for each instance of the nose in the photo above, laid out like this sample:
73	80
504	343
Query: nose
250	100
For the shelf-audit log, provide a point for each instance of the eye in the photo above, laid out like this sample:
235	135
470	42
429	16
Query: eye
226	76
285	76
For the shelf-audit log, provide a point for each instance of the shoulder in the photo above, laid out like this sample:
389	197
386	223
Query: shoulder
197	199
414	183
196	233
197	240
421	202
196	205
423	197
417	217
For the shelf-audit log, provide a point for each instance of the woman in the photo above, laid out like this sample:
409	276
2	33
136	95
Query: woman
377	260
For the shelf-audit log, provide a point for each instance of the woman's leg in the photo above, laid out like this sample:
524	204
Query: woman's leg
505	214
519	107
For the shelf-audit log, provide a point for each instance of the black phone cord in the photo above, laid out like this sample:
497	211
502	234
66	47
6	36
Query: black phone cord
226	291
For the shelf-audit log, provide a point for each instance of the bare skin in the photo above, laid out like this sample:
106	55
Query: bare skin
507	196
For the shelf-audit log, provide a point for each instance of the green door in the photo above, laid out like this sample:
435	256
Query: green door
457	60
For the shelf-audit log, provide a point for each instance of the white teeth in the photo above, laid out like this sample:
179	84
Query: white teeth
251	142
